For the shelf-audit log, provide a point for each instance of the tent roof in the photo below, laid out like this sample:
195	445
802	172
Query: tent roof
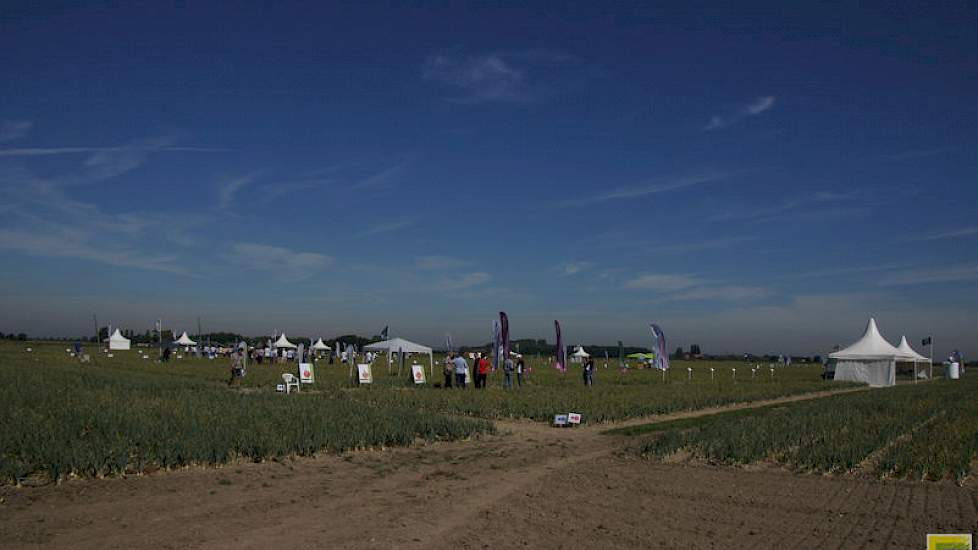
579	352
907	350
871	346
117	337
319	345
283	342
640	356
397	344
185	340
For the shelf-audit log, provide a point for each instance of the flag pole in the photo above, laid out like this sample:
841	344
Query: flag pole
932	358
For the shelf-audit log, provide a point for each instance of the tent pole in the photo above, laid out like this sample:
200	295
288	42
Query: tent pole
932	358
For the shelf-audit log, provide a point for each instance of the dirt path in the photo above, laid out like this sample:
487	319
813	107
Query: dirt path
532	486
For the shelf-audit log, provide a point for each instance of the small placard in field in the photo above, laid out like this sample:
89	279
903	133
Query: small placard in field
560	420
949	542
280	387
306	374
364	374
573	418
417	372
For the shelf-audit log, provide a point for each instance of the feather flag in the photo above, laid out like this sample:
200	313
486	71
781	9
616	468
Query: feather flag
384	333
448	343
504	328
659	345
561	361
496	337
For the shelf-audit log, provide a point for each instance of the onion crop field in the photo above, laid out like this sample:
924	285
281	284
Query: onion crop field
129	414
923	431
61	418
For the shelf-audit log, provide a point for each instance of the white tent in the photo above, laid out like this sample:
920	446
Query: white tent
118	341
283	342
915	357
401	345
579	355
871	359
319	345
185	340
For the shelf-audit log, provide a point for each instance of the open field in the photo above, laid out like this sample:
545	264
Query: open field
125	414
928	431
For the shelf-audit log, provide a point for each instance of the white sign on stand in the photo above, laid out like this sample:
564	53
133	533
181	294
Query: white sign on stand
573	418
306	374
560	420
417	372
364	374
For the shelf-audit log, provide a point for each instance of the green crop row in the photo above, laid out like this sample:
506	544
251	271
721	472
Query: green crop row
69	419
922	431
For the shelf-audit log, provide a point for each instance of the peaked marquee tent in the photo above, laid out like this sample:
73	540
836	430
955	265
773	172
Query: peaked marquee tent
319	345
185	340
871	359
118	341
579	355
395	345
283	342
916	358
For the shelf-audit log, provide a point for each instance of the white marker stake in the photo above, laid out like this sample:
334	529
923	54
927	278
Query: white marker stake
712	374
689	374
734	371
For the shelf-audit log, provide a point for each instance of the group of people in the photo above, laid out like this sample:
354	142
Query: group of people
457	371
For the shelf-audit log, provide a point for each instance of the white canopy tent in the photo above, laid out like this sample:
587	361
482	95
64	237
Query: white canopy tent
283	342
405	346
319	345
579	355
871	359
118	341
185	340
916	358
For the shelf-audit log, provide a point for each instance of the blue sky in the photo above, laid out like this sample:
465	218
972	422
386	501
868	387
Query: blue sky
753	179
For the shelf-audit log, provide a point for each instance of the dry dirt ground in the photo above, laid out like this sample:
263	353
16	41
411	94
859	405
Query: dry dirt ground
531	486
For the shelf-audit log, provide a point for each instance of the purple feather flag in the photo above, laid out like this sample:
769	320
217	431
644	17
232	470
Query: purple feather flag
495	345
661	355
561	363
504	328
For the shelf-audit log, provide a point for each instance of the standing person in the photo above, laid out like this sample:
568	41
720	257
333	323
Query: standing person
483	373
589	372
166	355
508	369
461	368
520	369
237	369
449	370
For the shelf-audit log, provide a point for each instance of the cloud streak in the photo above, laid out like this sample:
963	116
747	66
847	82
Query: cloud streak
515	77
648	188
14	129
754	108
387	227
289	265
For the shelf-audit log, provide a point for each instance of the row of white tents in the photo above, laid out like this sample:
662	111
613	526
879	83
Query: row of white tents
873	360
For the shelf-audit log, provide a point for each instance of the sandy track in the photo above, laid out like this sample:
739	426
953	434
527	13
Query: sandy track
529	487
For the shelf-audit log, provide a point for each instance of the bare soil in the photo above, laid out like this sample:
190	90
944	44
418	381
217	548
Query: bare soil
531	486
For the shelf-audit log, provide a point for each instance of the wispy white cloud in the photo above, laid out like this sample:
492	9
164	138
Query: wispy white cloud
287	264
952	234
387	227
726	293
661	282
73	245
462	282
649	188
917	153
14	129
702	245
822	203
932	275
52	151
567	269
753	108
437	263
227	190
503	77
383	178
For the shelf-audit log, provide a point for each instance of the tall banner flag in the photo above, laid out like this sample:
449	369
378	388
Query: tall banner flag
659	344
496	337
504	327
385	332
561	361
925	341
621	355
448	343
